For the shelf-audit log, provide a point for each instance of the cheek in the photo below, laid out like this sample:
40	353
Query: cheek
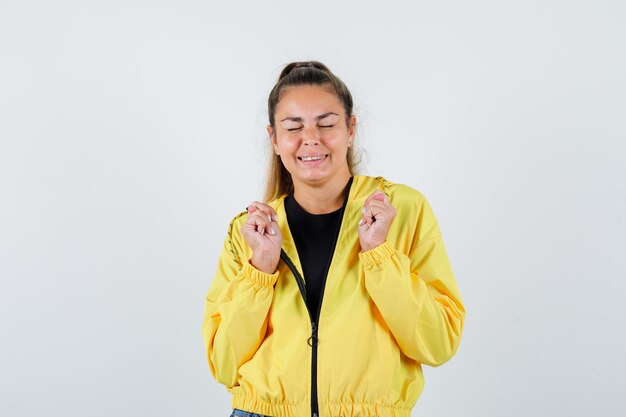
284	145
289	149
338	140
287	153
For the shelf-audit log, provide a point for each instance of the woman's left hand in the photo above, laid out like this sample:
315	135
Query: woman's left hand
378	214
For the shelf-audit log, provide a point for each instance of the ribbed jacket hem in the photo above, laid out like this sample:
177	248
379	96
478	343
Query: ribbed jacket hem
363	410
258	406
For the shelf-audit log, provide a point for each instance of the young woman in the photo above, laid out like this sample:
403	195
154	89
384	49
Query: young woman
329	297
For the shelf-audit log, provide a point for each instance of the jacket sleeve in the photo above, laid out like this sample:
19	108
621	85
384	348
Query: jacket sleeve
416	293
236	310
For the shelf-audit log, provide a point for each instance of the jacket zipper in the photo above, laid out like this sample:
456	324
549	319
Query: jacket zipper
313	339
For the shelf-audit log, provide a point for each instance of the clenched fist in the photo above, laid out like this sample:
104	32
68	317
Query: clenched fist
263	236
378	214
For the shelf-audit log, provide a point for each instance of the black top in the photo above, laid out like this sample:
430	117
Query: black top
315	236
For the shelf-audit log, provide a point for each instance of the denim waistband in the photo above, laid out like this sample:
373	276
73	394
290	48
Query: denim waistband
241	413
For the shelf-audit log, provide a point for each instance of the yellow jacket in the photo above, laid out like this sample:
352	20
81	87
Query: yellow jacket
384	313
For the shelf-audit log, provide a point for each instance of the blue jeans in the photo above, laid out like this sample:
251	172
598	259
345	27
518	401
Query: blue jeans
241	413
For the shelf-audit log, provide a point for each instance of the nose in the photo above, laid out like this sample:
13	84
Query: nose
310	136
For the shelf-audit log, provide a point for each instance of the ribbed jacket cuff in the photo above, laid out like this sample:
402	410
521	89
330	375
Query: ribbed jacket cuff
259	277
376	256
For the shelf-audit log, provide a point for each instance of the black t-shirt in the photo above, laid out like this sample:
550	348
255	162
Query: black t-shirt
315	236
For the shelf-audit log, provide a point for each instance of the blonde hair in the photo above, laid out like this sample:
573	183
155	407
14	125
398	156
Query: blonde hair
278	180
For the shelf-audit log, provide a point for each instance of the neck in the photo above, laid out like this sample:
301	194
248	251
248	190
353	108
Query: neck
324	198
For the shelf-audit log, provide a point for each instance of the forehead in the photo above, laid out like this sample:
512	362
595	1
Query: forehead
314	99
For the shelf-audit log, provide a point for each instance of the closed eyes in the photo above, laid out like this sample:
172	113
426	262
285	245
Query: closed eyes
295	129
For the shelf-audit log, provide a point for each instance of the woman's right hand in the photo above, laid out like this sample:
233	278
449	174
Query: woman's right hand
262	233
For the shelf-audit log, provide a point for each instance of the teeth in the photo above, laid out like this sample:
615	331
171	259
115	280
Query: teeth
312	158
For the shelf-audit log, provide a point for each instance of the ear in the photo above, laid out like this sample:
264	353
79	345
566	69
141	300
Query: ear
272	134
352	128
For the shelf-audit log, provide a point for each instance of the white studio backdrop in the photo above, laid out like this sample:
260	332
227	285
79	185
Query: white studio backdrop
131	132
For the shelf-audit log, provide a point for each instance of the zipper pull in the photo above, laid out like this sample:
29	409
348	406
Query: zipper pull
313	340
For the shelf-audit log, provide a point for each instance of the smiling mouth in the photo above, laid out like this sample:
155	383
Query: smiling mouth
312	158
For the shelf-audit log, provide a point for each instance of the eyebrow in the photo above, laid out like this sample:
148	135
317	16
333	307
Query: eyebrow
299	119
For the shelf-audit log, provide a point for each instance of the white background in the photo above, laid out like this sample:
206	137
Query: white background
133	131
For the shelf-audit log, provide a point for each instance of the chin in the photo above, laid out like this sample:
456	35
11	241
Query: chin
315	177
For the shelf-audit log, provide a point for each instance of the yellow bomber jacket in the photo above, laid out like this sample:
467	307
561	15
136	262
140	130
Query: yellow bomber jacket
384	313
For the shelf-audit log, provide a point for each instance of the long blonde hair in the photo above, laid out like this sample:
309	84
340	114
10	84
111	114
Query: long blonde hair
278	180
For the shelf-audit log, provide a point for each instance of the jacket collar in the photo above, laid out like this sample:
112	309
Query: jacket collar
361	187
